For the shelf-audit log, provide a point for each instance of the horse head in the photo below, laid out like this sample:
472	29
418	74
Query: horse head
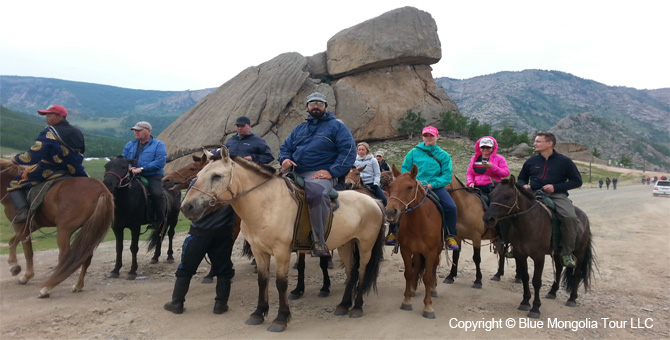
181	178
117	172
385	178
404	191
503	200
353	178
211	187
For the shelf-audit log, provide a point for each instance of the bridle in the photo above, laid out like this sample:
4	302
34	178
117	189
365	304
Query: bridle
514	206
213	200
416	194
187	179
126	178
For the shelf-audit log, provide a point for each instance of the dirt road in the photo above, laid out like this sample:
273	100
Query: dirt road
630	297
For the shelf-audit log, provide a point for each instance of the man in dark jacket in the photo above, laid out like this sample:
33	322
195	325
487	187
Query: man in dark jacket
320	150
555	174
151	156
247	145
58	151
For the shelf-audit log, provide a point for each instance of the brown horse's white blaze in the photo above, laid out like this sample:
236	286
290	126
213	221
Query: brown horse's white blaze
268	212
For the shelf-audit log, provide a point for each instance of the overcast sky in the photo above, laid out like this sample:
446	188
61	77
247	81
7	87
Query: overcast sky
180	45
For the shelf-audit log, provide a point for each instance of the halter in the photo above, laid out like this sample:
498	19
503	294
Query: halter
121	179
515	205
416	194
213	197
186	179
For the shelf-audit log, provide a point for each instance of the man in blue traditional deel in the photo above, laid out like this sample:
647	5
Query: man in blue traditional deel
58	151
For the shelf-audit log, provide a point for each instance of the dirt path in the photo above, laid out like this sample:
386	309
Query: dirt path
632	243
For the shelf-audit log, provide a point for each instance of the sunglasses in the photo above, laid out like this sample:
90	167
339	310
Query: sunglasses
484	147
315	103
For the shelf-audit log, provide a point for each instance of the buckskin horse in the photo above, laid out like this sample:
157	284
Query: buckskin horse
77	203
531	236
131	212
470	226
419	235
182	177
264	202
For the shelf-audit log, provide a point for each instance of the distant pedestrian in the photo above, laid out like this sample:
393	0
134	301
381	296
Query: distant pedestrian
614	182
600	183
607	182
648	180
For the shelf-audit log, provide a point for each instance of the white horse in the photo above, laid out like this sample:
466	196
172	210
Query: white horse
268	211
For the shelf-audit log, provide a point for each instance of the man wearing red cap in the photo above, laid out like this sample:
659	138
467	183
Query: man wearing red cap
58	151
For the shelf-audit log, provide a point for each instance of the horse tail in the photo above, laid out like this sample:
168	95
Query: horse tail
91	233
586	266
376	258
154	239
246	250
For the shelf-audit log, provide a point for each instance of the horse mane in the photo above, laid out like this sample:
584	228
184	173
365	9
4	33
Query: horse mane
16	169
262	169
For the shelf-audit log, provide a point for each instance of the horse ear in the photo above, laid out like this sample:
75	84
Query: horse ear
495	183
361	168
225	155
395	171
512	180
414	171
206	154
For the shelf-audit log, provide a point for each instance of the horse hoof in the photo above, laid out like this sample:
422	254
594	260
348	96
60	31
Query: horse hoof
294	296
76	289
324	293
44	293
207	280
356	313
341	310
406	307
254	320
131	277
571	303
428	315
295	265
550	296
23	280
170	260
517	280
15	270
330	265
477	285
153	261
495	278
276	328
113	275
433	294
534	315
524	307
448	280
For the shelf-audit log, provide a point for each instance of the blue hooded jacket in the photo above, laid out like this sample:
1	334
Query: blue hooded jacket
152	158
322	143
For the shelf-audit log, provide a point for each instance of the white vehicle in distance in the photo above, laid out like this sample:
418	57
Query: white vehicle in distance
662	187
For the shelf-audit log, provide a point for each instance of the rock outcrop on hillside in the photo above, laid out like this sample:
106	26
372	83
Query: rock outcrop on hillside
371	73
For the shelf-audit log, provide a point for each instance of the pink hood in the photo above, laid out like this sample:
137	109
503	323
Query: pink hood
497	172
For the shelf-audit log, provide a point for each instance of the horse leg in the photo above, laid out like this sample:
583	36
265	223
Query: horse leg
27	245
410	275
558	266
134	248
63	240
454	265
325	262
157	250
363	260
13	263
522	270
501	263
283	262
79	286
347	256
429	281
477	258
300	288
263	266
118	235
537	286
170	257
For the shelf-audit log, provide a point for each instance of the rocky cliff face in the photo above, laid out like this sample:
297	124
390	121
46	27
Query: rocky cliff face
371	73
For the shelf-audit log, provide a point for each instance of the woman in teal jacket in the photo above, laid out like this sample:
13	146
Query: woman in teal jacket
435	172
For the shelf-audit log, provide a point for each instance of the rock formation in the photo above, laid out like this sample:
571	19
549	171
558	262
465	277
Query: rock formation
371	73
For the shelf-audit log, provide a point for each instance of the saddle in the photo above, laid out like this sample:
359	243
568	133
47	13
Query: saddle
433	197
302	228
37	192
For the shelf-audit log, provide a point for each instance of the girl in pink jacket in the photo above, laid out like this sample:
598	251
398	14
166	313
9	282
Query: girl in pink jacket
486	164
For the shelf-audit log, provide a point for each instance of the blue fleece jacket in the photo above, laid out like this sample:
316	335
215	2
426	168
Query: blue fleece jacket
152	158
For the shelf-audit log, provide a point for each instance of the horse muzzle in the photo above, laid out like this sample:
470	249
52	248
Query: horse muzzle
489	220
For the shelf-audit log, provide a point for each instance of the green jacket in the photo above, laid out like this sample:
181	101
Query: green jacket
430	172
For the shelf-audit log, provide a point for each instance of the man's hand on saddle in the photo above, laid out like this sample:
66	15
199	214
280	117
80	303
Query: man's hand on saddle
248	158
322	174
429	186
471	185
135	170
548	188
286	164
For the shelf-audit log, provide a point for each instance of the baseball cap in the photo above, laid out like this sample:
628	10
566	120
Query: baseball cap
431	130
379	153
316	96
141	126
242	120
57	109
486	142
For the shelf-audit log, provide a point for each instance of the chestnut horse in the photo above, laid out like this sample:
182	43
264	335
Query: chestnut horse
181	178
77	203
470	226
531	236
268	212
419	235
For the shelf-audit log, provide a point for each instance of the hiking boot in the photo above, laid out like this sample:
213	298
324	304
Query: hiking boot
181	285
451	243
21	205
319	250
569	261
390	240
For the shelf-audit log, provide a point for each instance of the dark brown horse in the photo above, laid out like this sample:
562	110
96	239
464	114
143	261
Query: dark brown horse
471	227
419	235
531	236
78	203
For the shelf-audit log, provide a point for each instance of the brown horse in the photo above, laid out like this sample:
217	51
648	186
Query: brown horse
385	178
353	181
470	226
69	205
531	236
419	235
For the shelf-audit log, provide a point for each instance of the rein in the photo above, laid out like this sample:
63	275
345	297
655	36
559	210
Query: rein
416	194
213	198
186	179
121	179
515	205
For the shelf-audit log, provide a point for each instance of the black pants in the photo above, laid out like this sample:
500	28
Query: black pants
219	248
